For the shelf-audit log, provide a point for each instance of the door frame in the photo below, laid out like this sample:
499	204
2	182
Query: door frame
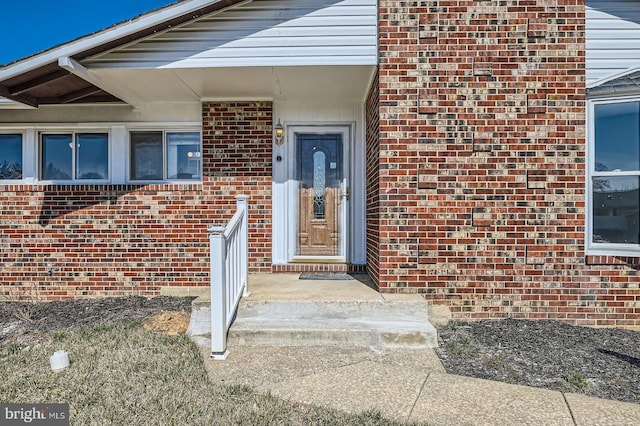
346	130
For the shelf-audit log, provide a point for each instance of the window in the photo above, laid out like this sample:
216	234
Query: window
92	156
319	184
146	156
10	156
74	156
615	176
159	155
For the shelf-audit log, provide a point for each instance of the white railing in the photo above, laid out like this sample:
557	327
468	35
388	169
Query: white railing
229	274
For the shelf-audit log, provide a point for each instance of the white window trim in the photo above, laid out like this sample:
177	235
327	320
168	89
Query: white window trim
119	157
593	248
164	130
73	131
23	134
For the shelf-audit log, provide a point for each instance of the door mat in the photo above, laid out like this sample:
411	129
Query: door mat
325	276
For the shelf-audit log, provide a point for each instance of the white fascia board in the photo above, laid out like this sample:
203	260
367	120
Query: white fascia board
9	104
105	36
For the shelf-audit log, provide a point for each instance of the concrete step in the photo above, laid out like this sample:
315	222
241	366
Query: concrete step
375	323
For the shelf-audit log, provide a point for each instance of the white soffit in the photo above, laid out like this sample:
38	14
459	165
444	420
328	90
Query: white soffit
290	83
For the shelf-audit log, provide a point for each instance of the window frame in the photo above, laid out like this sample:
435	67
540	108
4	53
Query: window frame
73	132
118	150
165	159
591	247
22	134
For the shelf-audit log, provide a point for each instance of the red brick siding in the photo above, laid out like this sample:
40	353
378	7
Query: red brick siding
84	240
482	162
237	138
73	241
372	120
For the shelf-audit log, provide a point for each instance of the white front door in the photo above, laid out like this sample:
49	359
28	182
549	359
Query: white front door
319	194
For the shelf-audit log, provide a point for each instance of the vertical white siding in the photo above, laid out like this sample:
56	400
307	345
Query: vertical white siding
613	37
261	33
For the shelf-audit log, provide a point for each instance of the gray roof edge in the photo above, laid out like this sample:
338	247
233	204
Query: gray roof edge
612	77
107	35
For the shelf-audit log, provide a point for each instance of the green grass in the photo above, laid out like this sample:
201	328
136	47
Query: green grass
462	346
576	381
126	375
494	360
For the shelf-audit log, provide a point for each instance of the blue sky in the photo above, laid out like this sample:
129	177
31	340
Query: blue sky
30	26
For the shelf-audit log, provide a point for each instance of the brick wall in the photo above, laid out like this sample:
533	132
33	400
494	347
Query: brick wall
372	133
86	240
482	162
237	139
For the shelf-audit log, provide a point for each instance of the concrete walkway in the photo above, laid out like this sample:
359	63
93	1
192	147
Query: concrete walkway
407	385
404	384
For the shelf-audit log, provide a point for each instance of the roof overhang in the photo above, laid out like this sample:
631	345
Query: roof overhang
620	84
56	76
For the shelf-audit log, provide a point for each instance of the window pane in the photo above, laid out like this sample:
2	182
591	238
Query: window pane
92	153
146	156
616	205
617	136
56	157
10	157
319	184
183	155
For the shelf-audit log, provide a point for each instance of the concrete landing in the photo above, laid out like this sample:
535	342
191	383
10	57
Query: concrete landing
363	323
285	311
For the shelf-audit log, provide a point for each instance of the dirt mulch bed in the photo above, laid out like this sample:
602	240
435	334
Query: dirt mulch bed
601	362
171	323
